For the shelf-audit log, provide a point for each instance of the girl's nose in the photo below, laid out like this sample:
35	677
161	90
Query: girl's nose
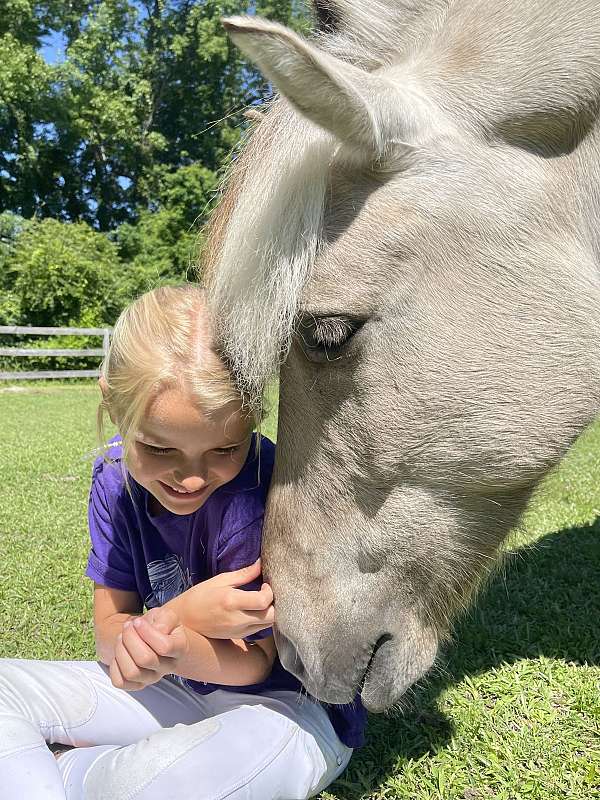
193	483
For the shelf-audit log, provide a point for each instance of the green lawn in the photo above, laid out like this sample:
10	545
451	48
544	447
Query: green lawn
514	710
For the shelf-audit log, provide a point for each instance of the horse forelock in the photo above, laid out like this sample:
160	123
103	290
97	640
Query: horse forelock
264	239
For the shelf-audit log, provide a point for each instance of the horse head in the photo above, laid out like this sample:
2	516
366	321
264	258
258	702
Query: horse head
412	229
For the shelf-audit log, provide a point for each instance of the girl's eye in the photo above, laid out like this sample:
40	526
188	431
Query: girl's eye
157	451
227	451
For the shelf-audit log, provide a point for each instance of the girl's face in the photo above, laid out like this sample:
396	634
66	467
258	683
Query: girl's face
181	456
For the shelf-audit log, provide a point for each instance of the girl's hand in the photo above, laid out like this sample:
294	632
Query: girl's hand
147	649
217	609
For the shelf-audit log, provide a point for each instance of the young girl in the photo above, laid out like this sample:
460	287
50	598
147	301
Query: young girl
188	700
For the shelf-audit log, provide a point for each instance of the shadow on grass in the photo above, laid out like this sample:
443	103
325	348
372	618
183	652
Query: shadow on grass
545	603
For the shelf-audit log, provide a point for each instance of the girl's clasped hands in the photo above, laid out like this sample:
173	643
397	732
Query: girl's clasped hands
156	644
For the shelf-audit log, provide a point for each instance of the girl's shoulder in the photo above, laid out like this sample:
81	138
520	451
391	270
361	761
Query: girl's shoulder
242	501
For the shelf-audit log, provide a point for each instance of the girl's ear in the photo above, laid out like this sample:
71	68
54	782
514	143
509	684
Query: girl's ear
104	389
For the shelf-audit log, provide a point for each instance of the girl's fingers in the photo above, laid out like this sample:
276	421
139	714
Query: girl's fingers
162	618
119	681
161	643
264	618
239	576
143	655
115	674
253	601
269	616
259	626
129	670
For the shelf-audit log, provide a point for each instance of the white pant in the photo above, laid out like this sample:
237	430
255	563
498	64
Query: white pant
163	743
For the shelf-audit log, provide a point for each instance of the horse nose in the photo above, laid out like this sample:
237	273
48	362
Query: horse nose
289	656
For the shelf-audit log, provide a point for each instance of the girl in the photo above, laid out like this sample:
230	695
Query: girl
188	699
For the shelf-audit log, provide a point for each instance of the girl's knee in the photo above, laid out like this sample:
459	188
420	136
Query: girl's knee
17	735
251	752
52	696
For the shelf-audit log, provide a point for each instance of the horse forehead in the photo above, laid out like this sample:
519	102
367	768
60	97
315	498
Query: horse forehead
381	238
446	192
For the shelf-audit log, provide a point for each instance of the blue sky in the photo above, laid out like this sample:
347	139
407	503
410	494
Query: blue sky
53	48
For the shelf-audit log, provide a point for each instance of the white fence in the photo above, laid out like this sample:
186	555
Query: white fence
25	352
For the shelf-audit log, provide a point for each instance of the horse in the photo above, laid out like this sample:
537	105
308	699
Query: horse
410	237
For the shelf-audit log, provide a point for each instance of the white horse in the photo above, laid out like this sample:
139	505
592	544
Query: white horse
414	226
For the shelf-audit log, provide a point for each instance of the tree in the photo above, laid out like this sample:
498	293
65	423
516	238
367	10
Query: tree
165	242
147	88
11	226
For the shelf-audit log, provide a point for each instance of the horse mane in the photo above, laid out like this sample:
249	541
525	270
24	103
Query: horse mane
262	241
328	16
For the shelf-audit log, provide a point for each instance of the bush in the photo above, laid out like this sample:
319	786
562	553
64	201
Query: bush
64	273
11	226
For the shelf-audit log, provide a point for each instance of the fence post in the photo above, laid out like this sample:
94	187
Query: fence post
106	341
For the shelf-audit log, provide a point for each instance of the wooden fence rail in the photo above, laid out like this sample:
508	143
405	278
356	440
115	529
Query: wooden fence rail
20	352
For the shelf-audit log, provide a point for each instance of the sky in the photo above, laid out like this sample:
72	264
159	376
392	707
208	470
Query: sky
53	49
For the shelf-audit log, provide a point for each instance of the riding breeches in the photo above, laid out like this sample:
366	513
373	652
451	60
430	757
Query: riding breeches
165	742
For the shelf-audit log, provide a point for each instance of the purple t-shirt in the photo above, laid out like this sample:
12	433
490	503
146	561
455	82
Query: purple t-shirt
161	556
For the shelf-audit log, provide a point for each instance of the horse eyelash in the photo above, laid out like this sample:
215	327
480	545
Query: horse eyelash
335	331
332	332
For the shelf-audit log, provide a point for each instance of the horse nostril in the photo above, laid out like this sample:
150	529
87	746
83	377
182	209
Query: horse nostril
289	656
382	640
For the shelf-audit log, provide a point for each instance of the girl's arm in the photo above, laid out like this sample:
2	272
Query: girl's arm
231	662
112	608
218	609
157	644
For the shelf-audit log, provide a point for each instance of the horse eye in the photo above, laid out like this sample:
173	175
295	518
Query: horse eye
323	338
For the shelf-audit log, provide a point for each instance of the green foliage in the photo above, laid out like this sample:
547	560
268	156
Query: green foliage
513	712
10	308
11	225
145	89
65	274
126	135
165	242
25	102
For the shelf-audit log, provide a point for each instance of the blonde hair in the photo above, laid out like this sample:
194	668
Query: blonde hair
163	340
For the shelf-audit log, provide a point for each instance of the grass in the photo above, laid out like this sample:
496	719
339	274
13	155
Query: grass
512	714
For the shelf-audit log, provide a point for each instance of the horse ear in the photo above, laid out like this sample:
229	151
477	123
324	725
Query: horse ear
347	101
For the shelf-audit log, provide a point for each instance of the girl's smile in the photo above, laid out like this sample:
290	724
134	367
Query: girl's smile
182	494
180	491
